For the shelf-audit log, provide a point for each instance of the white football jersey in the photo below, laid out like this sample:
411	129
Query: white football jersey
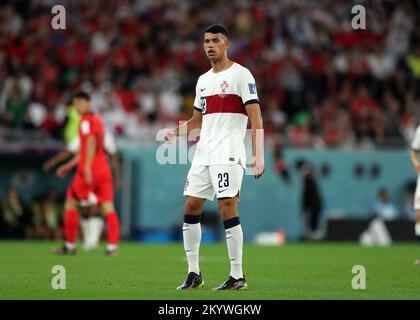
109	144
221	98
415	145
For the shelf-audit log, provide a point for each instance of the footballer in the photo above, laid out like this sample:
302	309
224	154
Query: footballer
226	96
92	183
91	222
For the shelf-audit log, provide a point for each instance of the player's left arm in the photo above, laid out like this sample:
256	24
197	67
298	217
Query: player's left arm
90	153
254	113
249	95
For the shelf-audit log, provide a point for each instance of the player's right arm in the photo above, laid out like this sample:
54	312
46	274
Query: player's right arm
56	159
415	148
68	166
185	128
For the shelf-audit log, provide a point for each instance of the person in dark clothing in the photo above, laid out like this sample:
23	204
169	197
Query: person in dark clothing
311	200
280	164
14	215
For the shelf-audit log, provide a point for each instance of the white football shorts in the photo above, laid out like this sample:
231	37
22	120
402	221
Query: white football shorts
205	182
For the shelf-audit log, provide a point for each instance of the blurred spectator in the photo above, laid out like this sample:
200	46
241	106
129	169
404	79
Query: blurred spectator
16	107
51	124
47	218
381	64
14	215
274	117
408	205
383	207
413	61
18	81
280	164
311	203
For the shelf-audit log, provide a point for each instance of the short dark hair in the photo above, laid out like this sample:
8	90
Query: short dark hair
382	191
81	95
299	163
217	28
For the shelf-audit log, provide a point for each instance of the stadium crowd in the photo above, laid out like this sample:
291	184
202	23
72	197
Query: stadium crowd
321	83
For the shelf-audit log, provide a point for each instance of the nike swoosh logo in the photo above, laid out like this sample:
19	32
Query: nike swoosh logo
228	237
186	229
202	89
220	191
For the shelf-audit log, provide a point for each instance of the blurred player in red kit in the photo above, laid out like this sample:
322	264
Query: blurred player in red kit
92	183
92	222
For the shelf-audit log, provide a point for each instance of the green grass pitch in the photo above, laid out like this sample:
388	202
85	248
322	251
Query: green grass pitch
146	271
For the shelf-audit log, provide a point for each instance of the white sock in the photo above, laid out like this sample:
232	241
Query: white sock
417	229
84	223
111	247
96	225
234	240
192	238
70	245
